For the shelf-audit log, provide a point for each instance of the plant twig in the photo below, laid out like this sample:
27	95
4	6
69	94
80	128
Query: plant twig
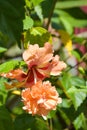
51	13
51	126
82	59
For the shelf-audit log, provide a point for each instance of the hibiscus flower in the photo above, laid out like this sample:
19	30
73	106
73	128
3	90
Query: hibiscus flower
40	99
41	64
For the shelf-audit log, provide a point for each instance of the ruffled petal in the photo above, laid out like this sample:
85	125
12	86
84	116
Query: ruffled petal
17	74
40	99
57	66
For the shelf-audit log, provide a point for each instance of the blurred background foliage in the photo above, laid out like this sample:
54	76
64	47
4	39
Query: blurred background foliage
62	23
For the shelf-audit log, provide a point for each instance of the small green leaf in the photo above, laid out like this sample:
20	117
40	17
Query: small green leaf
2	49
77	96
81	70
28	4
28	23
80	122
76	54
66	103
67	25
10	65
38	11
36	2
77	81
37	35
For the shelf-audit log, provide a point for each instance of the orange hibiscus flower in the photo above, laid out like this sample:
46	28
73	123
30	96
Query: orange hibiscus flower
40	99
41	63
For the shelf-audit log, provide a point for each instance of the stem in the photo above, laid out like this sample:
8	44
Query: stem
51	127
51	13
82	59
49	124
64	91
64	118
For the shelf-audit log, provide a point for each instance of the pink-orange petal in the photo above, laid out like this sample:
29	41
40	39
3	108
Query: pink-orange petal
17	74
57	66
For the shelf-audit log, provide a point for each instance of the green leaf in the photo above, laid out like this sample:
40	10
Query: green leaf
75	13
77	96
29	4
3	39
51	114
38	11
77	81
5	119
28	23
72	81
40	124
76	54
66	83
24	121
67	25
66	18
10	65
36	2
2	49
47	6
81	70
66	103
37	35
70	4
78	39
11	16
80	122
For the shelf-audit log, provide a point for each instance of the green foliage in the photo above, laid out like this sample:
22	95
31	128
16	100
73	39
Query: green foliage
40	124
2	49
11	11
74	88
80	122
10	65
71	3
69	21
23	122
26	121
5	119
77	96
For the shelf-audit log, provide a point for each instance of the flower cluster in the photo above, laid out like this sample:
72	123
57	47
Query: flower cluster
39	96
